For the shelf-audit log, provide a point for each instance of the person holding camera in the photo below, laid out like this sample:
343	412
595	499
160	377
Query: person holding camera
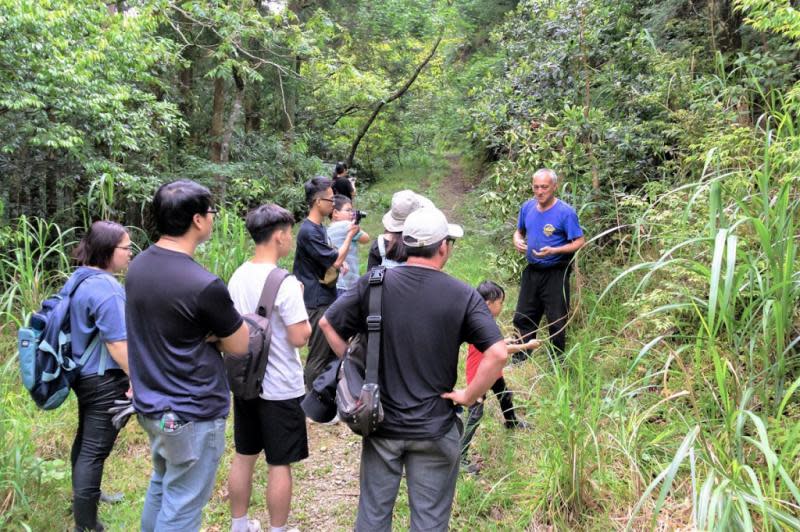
343	216
426	316
317	264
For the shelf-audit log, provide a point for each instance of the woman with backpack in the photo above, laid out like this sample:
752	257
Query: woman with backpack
388	249
99	341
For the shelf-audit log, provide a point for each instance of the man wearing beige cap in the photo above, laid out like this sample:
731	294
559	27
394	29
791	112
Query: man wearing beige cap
426	316
388	249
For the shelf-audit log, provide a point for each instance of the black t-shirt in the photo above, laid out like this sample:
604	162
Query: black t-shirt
172	305
343	186
314	255
427	315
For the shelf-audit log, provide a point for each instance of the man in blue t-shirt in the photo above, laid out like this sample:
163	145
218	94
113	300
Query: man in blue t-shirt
548	233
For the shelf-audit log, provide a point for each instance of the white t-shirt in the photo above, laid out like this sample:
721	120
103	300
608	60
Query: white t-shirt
284	376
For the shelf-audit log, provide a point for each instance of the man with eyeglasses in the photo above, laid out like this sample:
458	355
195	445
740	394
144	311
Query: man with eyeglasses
179	318
317	265
426	316
549	234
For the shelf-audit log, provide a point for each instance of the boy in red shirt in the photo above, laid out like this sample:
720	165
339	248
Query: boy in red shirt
494	295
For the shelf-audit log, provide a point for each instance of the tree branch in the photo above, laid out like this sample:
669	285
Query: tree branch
397	94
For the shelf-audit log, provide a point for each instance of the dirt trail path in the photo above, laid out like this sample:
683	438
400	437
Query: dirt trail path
326	484
453	187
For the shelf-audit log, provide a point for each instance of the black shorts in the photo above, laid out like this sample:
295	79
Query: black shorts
276	427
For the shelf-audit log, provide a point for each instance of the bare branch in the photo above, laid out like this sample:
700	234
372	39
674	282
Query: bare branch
397	94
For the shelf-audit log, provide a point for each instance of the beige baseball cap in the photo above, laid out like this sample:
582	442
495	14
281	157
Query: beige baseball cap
427	226
403	203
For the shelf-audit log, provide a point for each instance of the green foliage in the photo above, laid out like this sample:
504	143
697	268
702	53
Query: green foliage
77	100
34	260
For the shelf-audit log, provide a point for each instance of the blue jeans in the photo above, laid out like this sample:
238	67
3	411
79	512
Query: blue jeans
184	468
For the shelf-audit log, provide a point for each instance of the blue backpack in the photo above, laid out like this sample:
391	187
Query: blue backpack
45	348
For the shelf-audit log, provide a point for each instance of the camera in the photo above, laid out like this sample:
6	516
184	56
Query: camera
359	215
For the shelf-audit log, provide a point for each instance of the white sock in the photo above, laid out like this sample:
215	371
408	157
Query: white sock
239	524
278	528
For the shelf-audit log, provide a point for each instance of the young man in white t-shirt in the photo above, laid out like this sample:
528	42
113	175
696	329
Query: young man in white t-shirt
273	423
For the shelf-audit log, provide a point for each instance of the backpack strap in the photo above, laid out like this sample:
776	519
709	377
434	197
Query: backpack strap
270	291
87	353
374	324
84	275
104	354
381	246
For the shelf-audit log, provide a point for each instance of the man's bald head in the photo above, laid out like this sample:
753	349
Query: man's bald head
546	173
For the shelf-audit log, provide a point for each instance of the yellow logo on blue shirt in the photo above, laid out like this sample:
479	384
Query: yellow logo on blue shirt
548	230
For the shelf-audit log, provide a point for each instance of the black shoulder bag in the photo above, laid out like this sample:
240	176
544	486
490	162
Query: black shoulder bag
358	397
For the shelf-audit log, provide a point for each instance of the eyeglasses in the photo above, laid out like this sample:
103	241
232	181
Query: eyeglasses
126	248
326	199
450	241
212	211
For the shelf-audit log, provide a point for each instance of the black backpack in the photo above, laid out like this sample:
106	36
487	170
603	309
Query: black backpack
358	396
246	373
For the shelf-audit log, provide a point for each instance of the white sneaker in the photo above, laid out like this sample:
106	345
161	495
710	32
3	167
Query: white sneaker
254	525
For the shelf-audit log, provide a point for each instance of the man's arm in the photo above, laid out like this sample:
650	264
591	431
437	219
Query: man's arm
119	352
363	238
237	343
519	241
572	247
298	333
337	343
489	371
517	348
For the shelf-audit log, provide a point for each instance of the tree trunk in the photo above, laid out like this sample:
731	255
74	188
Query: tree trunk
225	144
217	119
402	90
587	102
252	113
288	89
236	111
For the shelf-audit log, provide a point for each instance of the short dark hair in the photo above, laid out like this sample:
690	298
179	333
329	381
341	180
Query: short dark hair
425	252
263	221
314	187
340	168
491	291
176	203
97	246
340	201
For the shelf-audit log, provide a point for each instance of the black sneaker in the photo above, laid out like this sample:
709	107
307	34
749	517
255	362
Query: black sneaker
470	468
111	498
519	358
517	424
